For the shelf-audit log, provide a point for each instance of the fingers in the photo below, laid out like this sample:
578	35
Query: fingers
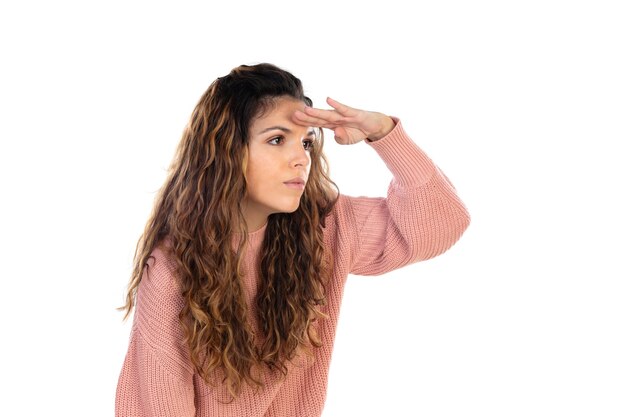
340	115
341	108
303	119
317	117
330	116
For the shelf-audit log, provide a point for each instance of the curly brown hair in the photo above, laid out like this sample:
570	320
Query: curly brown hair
199	212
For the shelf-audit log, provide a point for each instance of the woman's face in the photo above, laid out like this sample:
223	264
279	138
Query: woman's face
278	162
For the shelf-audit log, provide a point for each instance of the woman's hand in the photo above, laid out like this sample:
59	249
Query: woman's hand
350	125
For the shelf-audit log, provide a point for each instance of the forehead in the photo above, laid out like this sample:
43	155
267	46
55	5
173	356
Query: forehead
278	112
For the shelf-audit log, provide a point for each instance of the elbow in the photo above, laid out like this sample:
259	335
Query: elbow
440	236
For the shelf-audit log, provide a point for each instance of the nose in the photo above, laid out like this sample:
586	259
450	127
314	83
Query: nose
299	156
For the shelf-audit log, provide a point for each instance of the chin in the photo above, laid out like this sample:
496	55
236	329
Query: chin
291	209
288	206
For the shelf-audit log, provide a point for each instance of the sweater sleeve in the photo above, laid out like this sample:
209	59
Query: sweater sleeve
156	378
421	217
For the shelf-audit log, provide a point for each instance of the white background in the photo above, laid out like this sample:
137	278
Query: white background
522	104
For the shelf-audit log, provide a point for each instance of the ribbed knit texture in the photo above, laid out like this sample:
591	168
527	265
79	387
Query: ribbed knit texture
420	218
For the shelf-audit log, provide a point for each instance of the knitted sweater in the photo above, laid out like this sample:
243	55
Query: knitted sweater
420	218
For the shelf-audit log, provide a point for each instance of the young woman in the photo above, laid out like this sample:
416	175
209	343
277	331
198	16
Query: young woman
239	274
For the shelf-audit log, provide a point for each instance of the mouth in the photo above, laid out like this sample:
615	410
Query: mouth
295	183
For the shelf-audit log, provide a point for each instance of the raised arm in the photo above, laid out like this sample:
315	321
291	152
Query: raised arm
420	218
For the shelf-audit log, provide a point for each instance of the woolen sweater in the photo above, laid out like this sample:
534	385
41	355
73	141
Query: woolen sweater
420	218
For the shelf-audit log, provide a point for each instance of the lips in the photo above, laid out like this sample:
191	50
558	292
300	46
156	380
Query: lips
296	180
297	183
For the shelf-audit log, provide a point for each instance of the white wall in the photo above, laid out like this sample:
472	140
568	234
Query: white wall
520	103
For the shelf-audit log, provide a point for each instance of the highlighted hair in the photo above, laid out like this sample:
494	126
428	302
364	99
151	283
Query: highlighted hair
199	211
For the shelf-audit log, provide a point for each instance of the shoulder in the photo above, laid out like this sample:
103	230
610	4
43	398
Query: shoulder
349	215
159	284
162	262
340	211
350	211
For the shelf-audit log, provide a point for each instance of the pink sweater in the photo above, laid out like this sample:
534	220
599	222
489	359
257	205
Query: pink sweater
420	218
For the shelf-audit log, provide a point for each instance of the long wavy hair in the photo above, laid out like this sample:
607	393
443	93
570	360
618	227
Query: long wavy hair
199	211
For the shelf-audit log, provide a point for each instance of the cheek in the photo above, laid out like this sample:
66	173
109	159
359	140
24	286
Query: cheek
251	166
310	164
252	179
259	173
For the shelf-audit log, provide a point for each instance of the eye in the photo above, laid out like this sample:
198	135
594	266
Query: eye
308	144
277	140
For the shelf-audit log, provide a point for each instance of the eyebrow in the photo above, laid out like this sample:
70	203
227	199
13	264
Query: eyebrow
284	129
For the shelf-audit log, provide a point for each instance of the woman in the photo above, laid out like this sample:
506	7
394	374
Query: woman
239	274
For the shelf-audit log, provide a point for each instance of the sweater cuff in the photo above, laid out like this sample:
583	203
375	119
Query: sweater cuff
409	164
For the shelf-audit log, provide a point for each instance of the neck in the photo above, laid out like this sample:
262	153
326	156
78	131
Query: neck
255	219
